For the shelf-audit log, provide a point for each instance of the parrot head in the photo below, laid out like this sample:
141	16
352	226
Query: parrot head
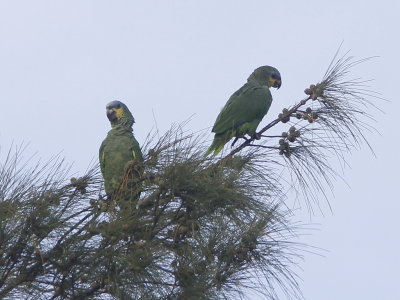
119	114
266	75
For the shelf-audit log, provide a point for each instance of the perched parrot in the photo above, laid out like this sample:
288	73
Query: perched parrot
119	152
245	108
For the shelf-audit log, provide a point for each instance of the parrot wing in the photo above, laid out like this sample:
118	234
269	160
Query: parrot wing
248	105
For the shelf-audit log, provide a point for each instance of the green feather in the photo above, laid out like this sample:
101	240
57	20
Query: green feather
118	148
245	109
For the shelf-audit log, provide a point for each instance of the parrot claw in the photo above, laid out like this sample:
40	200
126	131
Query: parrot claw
236	139
256	136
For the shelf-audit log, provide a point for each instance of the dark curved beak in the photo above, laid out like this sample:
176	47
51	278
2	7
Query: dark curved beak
111	115
277	84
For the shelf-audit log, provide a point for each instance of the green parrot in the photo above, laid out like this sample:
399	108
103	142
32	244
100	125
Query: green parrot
245	108
119	152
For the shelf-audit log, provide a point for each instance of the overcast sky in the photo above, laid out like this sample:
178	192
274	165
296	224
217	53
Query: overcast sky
62	61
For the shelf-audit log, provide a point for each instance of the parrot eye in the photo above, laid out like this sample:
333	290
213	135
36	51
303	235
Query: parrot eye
274	76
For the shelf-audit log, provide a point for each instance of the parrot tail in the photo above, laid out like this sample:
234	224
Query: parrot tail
216	146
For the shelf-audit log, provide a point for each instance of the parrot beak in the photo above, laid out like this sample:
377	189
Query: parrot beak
277	84
111	115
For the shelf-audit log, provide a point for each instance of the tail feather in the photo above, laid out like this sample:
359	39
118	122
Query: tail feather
216	146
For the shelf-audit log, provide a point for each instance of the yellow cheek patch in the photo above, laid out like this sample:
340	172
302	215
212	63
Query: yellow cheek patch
119	112
271	81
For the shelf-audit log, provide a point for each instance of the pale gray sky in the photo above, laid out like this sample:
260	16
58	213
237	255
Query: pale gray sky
62	61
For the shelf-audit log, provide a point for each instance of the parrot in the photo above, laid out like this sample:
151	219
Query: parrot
120	152
245	108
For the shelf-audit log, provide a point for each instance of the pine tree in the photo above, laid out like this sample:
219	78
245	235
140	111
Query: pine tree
203	228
